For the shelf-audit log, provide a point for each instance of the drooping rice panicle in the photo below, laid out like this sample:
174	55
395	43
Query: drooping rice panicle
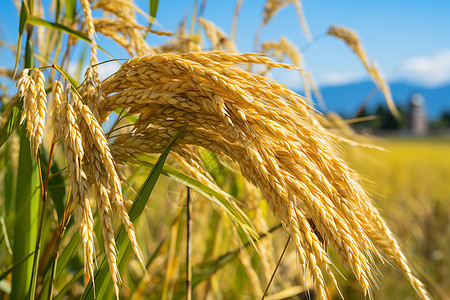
352	40
32	89
108	163
123	27
282	150
39	115
218	38
55	110
92	83
73	146
286	47
271	7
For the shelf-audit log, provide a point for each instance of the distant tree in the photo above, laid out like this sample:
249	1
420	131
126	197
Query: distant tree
443	122
386	121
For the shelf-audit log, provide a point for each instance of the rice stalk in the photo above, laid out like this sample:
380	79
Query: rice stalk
218	38
272	7
353	42
286	47
92	82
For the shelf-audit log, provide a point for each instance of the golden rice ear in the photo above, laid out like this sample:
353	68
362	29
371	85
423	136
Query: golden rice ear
55	109
218	38
32	89
281	148
101	157
27	89
124	28
73	146
351	39
271	7
287	48
105	213
91	30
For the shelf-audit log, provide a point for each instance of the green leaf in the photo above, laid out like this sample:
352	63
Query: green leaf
153	5
8	181
15	266
59	27
22	22
67	286
26	217
102	277
71	9
26	204
63	28
225	203
12	122
67	253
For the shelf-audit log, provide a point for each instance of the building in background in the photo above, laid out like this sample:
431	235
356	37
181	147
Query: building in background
418	122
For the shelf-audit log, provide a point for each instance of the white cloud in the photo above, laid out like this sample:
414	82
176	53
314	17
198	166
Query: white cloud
339	78
293	80
427	70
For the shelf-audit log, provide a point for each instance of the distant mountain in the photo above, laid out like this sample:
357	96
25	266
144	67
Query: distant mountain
346	99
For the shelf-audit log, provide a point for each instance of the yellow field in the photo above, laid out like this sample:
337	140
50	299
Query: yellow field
410	183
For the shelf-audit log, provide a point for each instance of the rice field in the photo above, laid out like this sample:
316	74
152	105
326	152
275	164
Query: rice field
409	183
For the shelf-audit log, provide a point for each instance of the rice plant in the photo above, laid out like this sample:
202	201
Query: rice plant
245	156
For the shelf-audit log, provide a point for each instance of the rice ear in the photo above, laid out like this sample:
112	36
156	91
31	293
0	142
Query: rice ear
279	144
351	39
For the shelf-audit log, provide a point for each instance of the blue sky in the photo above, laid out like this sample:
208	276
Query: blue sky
410	40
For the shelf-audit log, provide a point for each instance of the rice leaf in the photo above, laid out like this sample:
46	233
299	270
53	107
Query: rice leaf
59	27
8	181
15	266
26	217
67	286
70	11
67	253
153	5
22	22
62	28
224	203
12	122
102	278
